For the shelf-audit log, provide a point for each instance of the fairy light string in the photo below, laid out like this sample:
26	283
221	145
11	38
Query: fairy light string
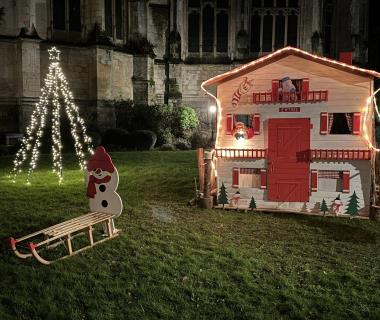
54	95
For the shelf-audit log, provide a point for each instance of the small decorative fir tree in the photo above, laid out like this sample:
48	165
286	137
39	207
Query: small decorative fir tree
353	205
222	199
252	204
324	207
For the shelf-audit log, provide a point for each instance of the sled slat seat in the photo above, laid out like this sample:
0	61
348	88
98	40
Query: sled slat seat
63	233
77	224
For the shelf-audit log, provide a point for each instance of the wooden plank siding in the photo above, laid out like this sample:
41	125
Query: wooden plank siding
347	93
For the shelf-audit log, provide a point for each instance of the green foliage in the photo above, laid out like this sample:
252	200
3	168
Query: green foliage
324	207
353	205
184	121
222	199
205	264
114	139
167	121
252	204
141	140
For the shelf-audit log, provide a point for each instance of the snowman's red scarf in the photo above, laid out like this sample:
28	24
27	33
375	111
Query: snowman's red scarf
91	189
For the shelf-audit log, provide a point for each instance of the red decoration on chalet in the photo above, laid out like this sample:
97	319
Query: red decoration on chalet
306	136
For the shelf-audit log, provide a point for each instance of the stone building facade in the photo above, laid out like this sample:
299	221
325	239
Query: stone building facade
193	40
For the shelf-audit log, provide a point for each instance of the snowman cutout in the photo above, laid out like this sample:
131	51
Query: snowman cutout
102	180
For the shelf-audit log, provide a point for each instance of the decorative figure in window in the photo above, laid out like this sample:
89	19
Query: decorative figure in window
337	205
287	86
243	88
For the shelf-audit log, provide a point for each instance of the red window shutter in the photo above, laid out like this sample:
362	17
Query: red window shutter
305	85
256	123
314	180
346	182
235	177
304	89
263	176
324	123
274	90
356	123
229	124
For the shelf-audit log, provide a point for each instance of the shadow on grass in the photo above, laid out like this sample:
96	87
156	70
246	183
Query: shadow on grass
337	229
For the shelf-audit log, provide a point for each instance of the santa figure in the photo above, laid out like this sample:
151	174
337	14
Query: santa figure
337	205
287	85
102	181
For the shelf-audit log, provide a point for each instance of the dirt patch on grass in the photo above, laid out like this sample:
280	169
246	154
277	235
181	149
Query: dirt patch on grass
163	214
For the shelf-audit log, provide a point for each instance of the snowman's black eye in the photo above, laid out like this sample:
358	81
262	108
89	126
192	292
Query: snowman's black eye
102	188
104	203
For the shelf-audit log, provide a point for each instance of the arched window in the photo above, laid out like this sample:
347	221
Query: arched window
208	28
63	19
292	29
267	33
282	15
255	32
113	16
279	37
193	32
222	32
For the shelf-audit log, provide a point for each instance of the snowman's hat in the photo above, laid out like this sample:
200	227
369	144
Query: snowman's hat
100	159
338	197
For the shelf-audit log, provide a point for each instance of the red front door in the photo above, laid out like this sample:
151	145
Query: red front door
288	159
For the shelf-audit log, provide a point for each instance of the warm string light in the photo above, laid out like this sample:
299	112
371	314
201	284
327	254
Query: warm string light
54	91
371	98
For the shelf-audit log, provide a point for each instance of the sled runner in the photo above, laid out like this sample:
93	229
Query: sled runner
63	233
102	180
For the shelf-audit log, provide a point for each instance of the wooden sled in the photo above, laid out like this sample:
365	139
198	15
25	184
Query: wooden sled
63	233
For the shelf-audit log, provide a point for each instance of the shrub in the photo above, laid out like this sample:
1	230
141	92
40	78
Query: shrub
138	44
185	120
95	137
201	140
141	140
167	147
114	139
182	144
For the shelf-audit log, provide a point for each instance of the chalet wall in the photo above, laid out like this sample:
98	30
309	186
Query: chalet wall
360	182
347	93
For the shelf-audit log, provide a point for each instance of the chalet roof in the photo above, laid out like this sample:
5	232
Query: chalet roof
282	53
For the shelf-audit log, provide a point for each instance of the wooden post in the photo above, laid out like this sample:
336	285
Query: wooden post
69	246
200	168
89	234
206	201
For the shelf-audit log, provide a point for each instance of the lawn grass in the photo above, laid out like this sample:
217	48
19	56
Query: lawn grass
176	262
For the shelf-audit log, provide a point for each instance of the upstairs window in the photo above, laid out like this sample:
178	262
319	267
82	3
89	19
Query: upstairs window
66	15
208	26
273	25
113	15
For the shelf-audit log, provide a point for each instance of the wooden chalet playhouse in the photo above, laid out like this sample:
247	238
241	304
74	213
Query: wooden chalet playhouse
293	129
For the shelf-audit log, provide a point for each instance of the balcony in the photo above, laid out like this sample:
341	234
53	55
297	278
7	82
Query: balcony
241	153
290	97
324	154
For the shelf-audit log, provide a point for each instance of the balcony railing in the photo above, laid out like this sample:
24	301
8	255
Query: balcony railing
311	155
241	153
324	154
290	97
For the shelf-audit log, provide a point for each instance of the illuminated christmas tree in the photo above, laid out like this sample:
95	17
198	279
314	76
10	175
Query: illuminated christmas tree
55	94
